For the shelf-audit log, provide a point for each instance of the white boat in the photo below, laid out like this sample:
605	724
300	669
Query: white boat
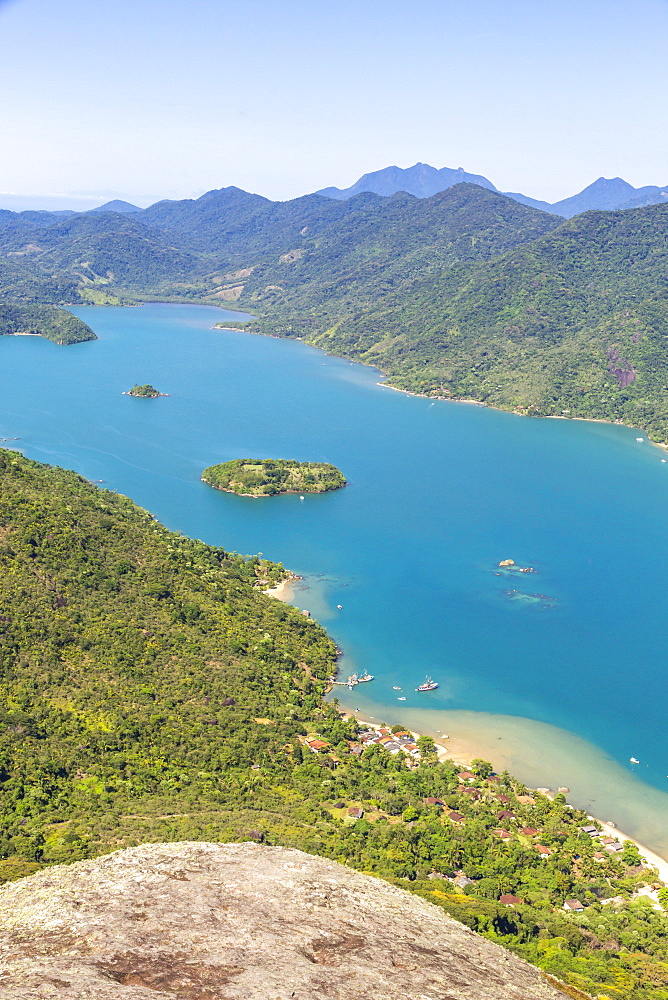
634	760
401	699
396	688
429	685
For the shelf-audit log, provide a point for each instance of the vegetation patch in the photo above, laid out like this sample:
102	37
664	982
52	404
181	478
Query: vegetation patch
147	391
251	477
50	322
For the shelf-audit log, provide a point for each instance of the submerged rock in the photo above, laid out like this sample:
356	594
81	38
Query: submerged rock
196	921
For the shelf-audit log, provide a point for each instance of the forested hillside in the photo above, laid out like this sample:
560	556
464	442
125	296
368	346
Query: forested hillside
151	693
388	246
91	258
466	294
572	323
54	324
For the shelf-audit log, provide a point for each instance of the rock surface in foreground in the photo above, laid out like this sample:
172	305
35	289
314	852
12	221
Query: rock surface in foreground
194	921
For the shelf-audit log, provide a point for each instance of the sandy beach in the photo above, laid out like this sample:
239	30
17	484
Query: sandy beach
464	746
283	591
536	753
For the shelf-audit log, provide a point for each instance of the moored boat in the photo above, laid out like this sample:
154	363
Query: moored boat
429	685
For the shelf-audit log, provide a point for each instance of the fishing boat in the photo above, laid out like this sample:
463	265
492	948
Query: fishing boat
429	685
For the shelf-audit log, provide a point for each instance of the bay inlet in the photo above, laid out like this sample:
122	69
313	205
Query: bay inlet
558	675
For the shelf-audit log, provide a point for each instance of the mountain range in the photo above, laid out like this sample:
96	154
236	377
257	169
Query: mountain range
423	181
465	293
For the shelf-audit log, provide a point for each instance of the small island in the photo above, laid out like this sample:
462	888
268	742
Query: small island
255	477
145	391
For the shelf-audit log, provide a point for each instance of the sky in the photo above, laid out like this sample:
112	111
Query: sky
151	99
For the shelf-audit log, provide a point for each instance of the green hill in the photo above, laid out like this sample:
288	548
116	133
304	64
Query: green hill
467	294
268	477
54	324
572	322
385	248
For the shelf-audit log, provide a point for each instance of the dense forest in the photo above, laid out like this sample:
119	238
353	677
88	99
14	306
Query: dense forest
268	477
151	692
50	322
572	323
466	294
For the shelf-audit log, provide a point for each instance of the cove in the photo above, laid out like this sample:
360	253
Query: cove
560	673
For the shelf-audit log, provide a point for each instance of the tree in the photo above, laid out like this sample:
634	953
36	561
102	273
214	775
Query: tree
427	748
482	768
631	854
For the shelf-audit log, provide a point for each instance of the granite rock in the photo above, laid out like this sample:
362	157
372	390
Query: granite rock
197	921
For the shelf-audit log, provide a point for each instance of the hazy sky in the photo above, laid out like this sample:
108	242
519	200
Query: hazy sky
147	99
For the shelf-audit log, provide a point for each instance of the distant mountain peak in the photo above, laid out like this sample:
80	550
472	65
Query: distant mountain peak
423	181
117	205
420	180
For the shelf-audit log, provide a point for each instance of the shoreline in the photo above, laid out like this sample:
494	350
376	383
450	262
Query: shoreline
284	590
157	395
519	413
265	496
462	751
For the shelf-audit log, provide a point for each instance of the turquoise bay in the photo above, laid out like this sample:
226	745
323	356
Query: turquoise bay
439	493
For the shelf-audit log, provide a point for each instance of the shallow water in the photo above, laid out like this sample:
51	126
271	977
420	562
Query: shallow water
439	493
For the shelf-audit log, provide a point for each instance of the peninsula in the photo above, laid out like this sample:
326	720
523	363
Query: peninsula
57	325
255	477
147	391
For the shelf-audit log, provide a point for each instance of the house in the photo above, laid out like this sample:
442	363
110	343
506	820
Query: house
455	817
355	813
526	800
573	906
462	881
505	814
599	856
615	847
503	798
503	834
608	840
473	793
545	851
591	831
510	900
466	776
316	745
431	801
529	831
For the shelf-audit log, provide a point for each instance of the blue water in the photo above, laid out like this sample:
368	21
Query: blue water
439	493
